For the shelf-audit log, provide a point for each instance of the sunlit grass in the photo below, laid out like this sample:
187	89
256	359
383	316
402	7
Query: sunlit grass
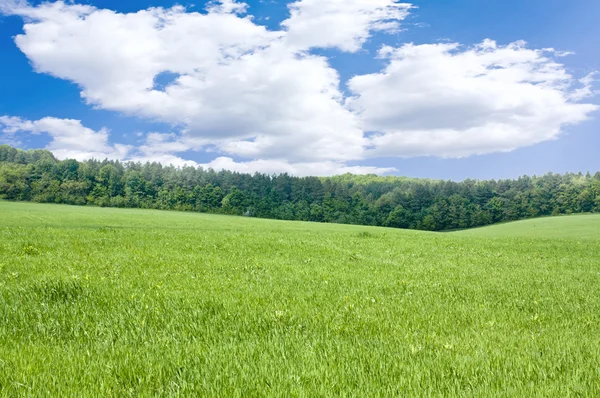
562	227
105	302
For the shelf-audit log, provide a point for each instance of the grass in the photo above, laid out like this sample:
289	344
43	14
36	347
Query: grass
562	227
106	302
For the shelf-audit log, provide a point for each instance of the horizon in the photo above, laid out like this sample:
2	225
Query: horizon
126	163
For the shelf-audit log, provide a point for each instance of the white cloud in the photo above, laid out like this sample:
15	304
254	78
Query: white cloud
442	100
587	88
161	148
12	6
235	81
297	169
227	7
70	139
345	24
9	131
240	90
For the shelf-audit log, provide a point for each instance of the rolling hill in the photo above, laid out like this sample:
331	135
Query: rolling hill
586	226
108	302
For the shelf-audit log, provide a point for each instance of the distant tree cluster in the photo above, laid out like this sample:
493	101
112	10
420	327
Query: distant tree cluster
36	175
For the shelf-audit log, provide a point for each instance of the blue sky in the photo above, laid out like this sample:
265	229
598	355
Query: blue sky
308	97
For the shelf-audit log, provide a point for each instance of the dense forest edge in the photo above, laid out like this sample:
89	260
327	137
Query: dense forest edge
398	202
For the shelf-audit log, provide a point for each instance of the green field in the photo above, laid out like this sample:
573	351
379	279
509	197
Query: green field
575	227
106	302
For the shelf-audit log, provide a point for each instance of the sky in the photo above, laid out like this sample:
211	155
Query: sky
437	89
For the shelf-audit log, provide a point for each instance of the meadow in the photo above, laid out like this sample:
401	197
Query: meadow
112	303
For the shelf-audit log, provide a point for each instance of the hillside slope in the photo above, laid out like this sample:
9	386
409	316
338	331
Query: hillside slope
585	226
109	302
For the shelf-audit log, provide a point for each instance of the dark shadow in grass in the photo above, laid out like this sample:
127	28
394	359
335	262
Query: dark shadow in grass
59	291
208	309
366	235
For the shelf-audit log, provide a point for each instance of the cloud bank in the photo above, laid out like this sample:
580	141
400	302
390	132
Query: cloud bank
229	85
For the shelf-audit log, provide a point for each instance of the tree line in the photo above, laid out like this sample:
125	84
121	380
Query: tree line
399	202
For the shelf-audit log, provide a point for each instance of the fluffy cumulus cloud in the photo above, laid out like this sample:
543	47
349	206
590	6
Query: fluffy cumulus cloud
444	100
231	86
69	138
231	80
343	24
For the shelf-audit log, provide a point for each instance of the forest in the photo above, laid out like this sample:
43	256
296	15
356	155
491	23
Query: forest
398	202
